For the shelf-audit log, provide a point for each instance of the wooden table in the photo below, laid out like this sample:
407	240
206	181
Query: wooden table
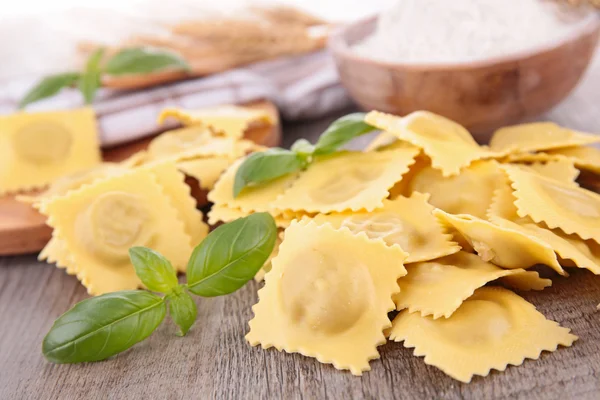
214	361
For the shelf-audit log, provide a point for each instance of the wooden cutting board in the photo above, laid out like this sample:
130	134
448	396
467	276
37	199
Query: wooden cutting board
23	230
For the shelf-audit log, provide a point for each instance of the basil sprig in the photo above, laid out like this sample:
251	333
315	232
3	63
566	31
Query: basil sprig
271	164
130	61
100	327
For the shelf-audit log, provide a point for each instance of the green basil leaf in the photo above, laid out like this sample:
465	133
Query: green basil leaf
265	166
303	146
341	131
90	80
100	327
154	270
231	255
182	308
48	87
139	60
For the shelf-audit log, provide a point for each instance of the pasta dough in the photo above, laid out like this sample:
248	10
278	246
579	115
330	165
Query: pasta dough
228	120
469	192
584	157
507	248
406	222
439	287
99	223
449	145
562	170
327	296
492	329
206	170
347	181
572	250
537	136
559	205
37	148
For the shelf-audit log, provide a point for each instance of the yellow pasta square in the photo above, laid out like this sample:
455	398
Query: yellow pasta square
572	250
347	181
492	329
100	222
229	120
327	296
37	148
584	157
206	170
537	136
406	222
173	183
507	248
560	205
440	286
449	145
562	169
469	192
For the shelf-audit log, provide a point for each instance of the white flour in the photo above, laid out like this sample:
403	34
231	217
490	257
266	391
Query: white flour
450	31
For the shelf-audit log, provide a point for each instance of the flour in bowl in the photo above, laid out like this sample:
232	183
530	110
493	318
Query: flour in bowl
453	31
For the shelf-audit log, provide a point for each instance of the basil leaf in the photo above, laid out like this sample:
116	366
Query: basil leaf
231	255
90	80
341	131
139	60
303	146
154	270
103	326
182	308
48	87
265	166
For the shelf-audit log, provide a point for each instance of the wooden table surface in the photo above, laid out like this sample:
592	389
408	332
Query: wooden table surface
214	361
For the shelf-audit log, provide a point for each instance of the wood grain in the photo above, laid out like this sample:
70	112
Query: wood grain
215	362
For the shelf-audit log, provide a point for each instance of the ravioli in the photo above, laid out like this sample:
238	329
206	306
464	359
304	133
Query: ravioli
55	252
327	296
469	192
258	198
406	222
537	136
572	250
206	170
173	183
194	142
560	205
440	286
67	183
37	148
492	329
347	181
228	119
260	275
219	214
584	157
507	248
449	145
99	223
562	170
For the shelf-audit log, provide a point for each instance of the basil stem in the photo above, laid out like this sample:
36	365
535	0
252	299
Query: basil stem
100	327
154	270
231	255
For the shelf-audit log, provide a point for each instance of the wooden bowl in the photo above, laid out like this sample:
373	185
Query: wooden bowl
482	95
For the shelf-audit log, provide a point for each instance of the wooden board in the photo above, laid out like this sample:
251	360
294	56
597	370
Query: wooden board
23	230
215	362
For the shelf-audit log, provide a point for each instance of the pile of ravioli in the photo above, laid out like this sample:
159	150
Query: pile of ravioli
98	212
428	223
